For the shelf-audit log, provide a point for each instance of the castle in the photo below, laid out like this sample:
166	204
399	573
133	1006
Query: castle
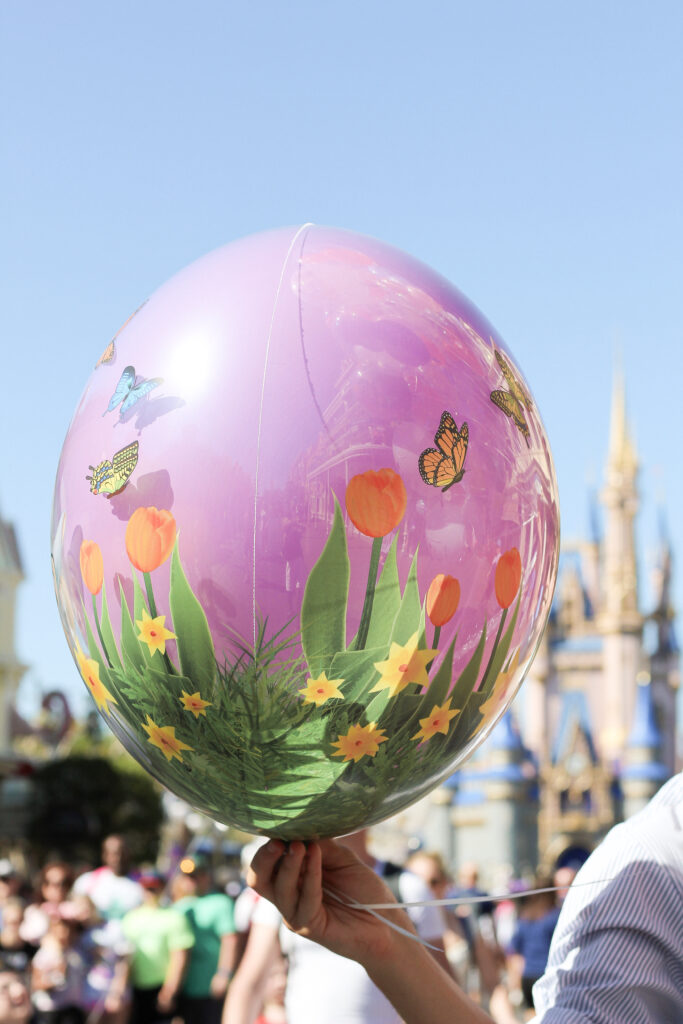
591	736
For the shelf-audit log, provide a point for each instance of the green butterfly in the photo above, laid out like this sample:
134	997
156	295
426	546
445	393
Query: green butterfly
110	478
512	402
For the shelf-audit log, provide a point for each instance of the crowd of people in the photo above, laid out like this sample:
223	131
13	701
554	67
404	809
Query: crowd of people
119	945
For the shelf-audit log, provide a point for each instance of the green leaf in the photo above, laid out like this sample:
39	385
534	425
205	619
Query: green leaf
130	642
467	679
108	632
409	615
95	653
140	604
193	637
357	669
387	601
326	595
500	654
441	683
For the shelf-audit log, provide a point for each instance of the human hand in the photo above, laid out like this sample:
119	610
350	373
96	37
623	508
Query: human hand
219	984
300	881
166	1000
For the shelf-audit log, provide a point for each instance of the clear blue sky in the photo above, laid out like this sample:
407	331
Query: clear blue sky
531	152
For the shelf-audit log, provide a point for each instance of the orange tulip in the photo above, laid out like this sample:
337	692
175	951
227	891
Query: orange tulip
508	576
376	501
92	566
150	536
443	598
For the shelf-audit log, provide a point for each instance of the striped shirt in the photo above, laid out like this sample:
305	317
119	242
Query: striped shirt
617	953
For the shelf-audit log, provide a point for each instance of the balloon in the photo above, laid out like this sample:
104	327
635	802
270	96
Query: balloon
305	532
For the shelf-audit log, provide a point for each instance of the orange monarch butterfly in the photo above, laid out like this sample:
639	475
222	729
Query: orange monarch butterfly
110	351
514	401
443	466
107	356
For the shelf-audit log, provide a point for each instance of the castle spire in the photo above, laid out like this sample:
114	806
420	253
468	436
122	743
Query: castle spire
620	500
622	462
619	621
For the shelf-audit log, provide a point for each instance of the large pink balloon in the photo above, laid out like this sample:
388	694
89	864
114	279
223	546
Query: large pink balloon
287	448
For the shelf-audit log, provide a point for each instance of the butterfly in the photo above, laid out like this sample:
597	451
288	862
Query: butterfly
107	356
443	466
514	401
110	351
130	389
109	478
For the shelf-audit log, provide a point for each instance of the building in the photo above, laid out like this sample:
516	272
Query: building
592	735
11	669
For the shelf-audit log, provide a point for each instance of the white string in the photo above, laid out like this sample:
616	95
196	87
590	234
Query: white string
346	901
303	227
453	901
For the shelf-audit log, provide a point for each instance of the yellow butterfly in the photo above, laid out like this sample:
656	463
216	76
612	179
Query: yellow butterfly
109	478
512	402
443	466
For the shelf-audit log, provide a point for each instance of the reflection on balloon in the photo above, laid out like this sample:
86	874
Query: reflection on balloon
306	570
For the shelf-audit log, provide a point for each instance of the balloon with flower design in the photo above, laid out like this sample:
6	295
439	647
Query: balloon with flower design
305	532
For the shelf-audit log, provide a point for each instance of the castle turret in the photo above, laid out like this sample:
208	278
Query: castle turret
643	772
498	792
619	620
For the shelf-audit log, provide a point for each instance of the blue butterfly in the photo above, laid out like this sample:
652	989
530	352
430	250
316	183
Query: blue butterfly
130	389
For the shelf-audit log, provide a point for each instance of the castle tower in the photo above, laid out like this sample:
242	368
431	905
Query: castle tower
619	620
643	772
496	804
11	669
664	660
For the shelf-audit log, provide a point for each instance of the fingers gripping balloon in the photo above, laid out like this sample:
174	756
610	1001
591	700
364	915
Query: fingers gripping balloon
304	532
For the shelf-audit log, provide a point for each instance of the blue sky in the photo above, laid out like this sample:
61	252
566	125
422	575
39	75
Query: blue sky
530	152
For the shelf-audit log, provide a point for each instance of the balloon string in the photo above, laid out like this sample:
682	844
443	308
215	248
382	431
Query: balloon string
340	898
451	901
304	227
454	901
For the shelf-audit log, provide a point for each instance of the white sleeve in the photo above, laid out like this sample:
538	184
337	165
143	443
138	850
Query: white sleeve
266	913
427	920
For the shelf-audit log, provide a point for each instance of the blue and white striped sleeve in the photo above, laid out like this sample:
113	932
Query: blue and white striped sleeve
617	952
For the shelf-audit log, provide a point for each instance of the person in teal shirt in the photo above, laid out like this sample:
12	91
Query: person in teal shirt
212	960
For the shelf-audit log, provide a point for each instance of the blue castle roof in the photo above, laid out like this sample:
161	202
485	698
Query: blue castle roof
574	710
645	731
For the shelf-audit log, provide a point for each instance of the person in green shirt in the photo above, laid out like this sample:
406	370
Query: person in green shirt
213	956
161	939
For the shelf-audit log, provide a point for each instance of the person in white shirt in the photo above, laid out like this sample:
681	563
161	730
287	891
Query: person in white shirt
108	886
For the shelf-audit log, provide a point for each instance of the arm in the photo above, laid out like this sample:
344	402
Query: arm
247	986
293	879
227	958
177	965
117	990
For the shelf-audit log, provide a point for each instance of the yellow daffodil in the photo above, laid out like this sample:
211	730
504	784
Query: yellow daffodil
90	671
164	737
194	703
404	665
317	691
359	741
153	633
438	721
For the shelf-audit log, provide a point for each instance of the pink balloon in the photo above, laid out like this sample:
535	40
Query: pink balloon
262	641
